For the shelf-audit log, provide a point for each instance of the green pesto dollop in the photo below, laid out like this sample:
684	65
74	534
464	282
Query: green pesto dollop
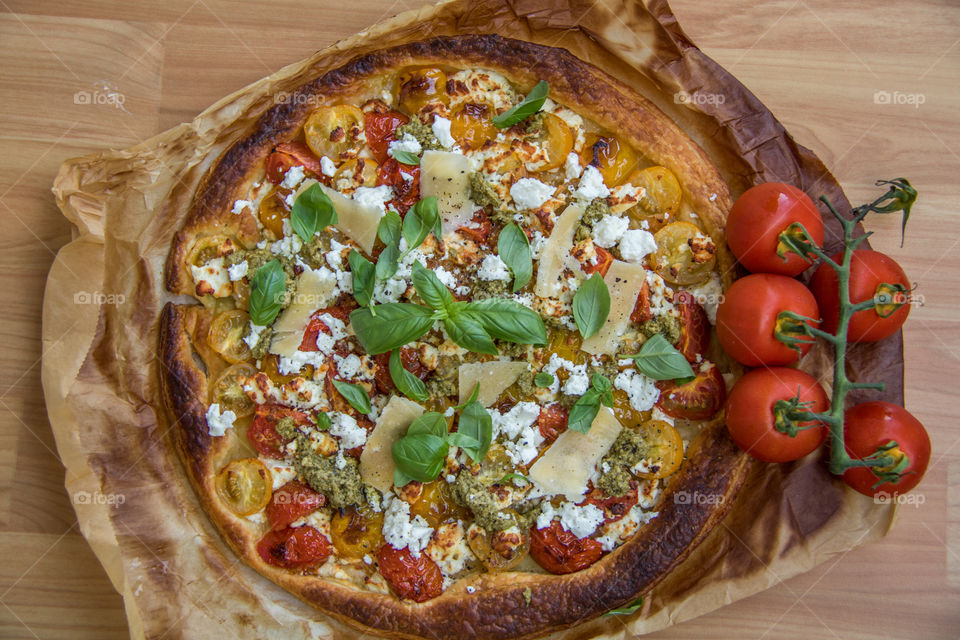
627	450
483	289
597	208
336	477
482	192
422	132
444	380
666	325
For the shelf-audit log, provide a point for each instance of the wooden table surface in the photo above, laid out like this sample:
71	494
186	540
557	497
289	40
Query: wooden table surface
872	89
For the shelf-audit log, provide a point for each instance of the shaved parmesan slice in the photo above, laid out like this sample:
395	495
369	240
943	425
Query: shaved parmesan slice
624	281
567	465
446	175
556	250
313	292
376	462
493	378
358	221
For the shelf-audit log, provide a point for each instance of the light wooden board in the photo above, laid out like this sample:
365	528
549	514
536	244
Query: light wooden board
822	67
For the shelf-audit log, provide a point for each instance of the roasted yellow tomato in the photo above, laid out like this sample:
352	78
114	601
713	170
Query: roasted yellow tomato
355	532
228	391
661	191
361	172
557	142
471	127
245	486
419	87
274	210
664	449
208	248
270	366
624	412
684	255
501	550
332	131
435	505
614	158
226	333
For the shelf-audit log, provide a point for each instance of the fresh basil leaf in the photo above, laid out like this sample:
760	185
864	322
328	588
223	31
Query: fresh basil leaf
421	219
513	477
468	332
543	380
429	422
591	305
474	424
394	325
627	609
529	106
429	287
388	262
514	249
312	212
322	421
473	398
600	382
267	287
508	320
405	157
400	479
356	395
420	456
584	411
363	277
408	384
389	228
660	360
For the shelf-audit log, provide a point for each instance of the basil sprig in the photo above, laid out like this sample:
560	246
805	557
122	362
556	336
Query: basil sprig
408	384
591	305
429	287
267	287
405	157
543	380
627	609
660	360
585	411
394	325
364	275
420	454
474	431
312	212
507	320
514	249
322	420
529	106
356	395
421	219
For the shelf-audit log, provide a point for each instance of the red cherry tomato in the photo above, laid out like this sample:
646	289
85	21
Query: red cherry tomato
407	192
380	126
694	326
871	425
552	421
756	221
641	308
559	551
870	272
294	548
751	418
262	433
289	154
698	399
613	507
747	318
604	260
418	579
409	358
480	229
316	326
291	502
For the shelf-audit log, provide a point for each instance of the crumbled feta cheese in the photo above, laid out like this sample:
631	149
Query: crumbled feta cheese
580	521
493	268
572	166
441	130
240	205
591	185
578	382
253	337
529	193
293	177
327	167
349	367
641	390
212	278
401	531
609	229
238	270
218	423
709	294
636	244
280	472
449	412
407	143
537	242
373	197
447	278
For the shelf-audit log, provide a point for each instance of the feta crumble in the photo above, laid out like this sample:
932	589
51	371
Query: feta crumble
441	130
609	230
636	244
218	423
529	193
591	185
493	268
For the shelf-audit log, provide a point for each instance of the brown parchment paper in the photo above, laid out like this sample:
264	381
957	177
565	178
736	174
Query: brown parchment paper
100	371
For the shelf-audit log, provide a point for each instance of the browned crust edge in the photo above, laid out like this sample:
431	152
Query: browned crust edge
498	608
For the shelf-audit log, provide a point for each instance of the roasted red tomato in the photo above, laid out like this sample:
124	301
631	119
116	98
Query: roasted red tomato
698	399
604	260
747	319
262	433
289	154
480	229
871	425
694	326
407	190
552	421
380	126
757	219
418	579
752	418
409	358
559	551
873	276
613	507
317	325
294	548
291	502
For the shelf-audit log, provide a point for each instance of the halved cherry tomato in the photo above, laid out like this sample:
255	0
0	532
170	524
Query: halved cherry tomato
418	579
406	192
355	532
381	126
419	87
292	501
614	158
698	399
684	255
694	326
228	391
295	548
664	448
661	195
757	219
613	507
333	130
244	486
471	127
871	425
290	154
559	551
208	248
604	260
552	421
751	419
316	326
362	172
262	433
480	230
641	308
274	210
500	551
873	276
226	334
557	142
435	504
747	319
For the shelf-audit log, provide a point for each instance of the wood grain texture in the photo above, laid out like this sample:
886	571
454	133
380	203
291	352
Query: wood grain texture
820	66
